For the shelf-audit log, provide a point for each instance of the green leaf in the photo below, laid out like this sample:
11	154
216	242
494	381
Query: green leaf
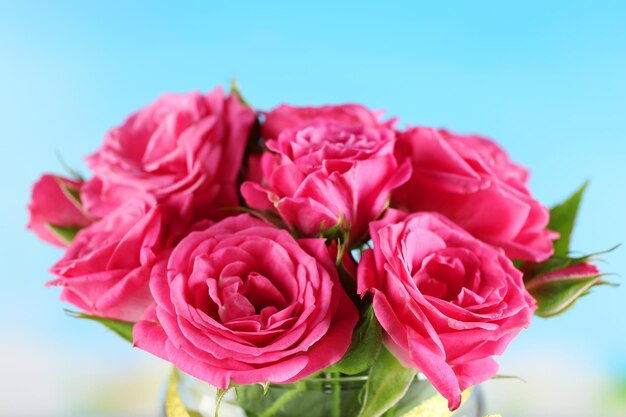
563	218
123	329
289	396
388	382
365	347
65	233
556	296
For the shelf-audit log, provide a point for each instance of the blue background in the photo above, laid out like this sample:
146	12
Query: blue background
546	79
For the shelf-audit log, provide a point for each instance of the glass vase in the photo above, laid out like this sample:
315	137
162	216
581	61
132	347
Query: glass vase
313	397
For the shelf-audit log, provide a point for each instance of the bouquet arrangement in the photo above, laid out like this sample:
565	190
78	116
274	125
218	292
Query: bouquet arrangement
249	247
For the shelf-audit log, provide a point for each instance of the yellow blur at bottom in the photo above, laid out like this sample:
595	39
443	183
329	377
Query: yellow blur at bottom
436	406
174	406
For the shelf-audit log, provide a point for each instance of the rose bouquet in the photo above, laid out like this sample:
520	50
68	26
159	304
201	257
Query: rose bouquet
268	250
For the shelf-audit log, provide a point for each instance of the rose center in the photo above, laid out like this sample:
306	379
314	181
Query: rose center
330	142
447	274
251	296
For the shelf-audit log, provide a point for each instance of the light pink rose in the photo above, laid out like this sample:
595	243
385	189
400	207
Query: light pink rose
446	300
289	117
189	144
55	202
327	173
244	302
106	269
472	181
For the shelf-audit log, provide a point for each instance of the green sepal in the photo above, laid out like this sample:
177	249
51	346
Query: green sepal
74	174
532	270
388	382
339	232
501	376
365	347
123	329
234	89
65	233
73	194
266	387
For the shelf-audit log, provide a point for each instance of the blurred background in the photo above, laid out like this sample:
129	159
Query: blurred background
546	79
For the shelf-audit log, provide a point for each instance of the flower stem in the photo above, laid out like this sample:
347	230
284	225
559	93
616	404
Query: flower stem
336	402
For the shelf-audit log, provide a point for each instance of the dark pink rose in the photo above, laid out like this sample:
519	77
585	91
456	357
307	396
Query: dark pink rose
55	203
325	174
106	269
188	144
288	117
244	302
472	181
447	301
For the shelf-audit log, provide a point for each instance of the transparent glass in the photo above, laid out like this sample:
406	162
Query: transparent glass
313	397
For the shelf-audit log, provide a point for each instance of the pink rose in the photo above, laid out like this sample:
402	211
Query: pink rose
106	269
446	300
56	203
189	144
244	302
472	181
326	174
288	117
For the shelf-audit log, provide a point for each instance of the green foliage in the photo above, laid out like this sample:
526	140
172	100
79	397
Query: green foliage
388	382
66	234
234	89
365	347
339	232
556	262
277	400
554	296
556	292
74	174
123	329
71	192
563	219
